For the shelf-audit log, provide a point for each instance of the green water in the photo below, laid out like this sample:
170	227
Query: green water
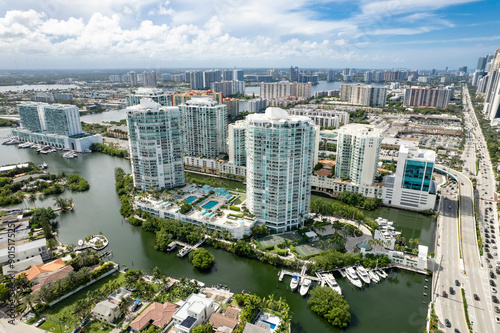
394	305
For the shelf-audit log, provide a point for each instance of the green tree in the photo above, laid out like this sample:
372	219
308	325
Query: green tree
207	328
201	259
330	305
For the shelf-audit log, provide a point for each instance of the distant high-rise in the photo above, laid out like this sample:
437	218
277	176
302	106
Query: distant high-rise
427	97
228	88
204	124
155	145
149	79
330	75
133	78
236	143
358	148
346	71
280	157
369	76
363	95
238	75
285	89
462	69
293	73
196	80
211	76
227	74
273	73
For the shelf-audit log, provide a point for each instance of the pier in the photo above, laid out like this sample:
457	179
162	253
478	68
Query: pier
186	248
302	275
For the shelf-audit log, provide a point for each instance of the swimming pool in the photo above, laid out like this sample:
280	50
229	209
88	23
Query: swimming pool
273	326
209	205
191	199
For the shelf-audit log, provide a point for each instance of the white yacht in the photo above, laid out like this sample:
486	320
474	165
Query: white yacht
352	276
304	287
373	276
332	283
381	273
363	275
25	145
69	154
294	283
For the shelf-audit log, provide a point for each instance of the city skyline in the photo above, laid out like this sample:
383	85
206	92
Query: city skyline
232	33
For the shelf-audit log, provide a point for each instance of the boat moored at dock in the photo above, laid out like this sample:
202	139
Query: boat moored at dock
373	276
294	283
352	276
304	287
363	274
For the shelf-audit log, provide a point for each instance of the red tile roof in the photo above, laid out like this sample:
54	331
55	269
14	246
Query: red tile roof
160	314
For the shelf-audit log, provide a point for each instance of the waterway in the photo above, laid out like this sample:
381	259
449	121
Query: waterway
394	305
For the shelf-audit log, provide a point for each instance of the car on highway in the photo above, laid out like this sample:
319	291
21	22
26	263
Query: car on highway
447	323
457	283
452	291
444	294
476	297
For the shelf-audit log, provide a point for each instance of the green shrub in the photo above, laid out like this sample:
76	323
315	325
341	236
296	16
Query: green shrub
235	208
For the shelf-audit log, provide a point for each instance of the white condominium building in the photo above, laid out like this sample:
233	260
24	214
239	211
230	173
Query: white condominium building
280	157
323	118
236	143
358	148
204	126
412	187
157	95
360	94
285	89
61	119
155	145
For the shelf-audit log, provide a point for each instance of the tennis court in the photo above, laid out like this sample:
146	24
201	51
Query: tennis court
304	250
273	240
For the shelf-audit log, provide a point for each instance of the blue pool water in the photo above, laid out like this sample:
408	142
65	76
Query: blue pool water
191	199
364	246
273	326
209	205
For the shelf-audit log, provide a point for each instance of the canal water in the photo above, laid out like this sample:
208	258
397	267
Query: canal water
394	305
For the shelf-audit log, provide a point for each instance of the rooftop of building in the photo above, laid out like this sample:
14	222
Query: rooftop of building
52	277
416	153
158	314
362	130
201	101
148	91
36	270
276	115
206	210
195	302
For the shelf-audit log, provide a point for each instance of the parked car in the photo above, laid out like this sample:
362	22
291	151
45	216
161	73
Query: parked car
447	322
457	283
39	322
476	297
445	295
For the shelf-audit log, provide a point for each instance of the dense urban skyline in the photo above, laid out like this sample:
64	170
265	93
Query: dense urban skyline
58	34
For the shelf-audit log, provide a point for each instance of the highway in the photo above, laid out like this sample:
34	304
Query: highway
471	270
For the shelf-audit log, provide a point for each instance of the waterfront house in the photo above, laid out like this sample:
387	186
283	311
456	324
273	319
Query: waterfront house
195	311
156	314
106	311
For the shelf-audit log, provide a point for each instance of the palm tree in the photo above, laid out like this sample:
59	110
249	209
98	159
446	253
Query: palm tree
32	199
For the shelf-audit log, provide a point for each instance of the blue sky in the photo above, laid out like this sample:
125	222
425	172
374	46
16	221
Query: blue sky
413	34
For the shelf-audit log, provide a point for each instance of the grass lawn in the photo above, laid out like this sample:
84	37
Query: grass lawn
64	307
52	326
238	201
97	326
218	182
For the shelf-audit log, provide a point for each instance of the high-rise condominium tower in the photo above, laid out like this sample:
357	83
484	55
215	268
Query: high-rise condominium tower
155	145
204	126
280	157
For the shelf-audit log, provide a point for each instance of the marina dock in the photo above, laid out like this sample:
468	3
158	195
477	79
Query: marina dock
302	275
186	248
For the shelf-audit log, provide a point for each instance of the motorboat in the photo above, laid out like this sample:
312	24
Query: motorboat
294	283
332	283
304	287
381	273
373	276
363	274
69	154
352	276
44	165
25	145
11	142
